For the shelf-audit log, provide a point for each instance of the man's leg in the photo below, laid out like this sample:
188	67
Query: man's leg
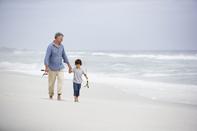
51	82
60	78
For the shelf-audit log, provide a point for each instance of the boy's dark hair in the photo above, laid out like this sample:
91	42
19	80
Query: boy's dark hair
78	61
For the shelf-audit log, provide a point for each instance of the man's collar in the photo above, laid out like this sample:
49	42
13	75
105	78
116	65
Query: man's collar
56	45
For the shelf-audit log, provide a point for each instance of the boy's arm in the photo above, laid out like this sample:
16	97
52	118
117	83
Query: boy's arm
85	75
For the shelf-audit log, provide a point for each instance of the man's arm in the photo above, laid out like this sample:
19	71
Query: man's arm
47	58
69	68
66	61
65	58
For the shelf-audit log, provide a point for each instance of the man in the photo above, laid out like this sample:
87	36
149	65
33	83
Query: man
55	54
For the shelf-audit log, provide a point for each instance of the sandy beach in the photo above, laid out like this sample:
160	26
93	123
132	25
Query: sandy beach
25	106
139	57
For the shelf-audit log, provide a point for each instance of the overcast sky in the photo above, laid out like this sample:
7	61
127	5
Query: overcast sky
100	24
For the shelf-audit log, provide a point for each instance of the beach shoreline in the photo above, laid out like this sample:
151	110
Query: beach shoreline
25	106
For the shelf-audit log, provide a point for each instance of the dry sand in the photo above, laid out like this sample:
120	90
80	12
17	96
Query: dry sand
25	107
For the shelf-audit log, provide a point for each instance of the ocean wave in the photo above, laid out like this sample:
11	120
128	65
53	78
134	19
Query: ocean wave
74	56
177	93
100	54
76	52
156	74
148	56
120	67
20	52
33	69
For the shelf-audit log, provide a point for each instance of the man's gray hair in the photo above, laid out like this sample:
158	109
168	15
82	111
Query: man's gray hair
58	34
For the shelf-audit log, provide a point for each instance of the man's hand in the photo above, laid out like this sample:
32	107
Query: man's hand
69	69
46	69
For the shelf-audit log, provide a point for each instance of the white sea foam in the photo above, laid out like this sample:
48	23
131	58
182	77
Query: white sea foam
120	67
21	52
155	74
149	56
76	52
112	68
99	53
33	69
74	56
176	93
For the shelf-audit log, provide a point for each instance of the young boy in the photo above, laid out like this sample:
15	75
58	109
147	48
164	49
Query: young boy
77	79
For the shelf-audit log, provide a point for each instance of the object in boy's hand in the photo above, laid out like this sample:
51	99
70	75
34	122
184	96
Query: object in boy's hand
87	84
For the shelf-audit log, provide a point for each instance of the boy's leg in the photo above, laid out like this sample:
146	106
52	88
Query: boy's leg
60	78
75	99
75	91
51	82
78	91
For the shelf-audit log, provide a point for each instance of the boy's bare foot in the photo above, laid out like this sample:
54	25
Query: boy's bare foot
59	97
76	99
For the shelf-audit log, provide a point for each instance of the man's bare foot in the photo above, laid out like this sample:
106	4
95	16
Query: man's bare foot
59	97
50	97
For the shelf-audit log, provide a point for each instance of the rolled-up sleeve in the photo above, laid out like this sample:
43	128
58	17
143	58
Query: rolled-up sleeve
64	56
47	56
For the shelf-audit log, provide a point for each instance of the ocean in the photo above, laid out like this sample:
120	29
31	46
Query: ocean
158	75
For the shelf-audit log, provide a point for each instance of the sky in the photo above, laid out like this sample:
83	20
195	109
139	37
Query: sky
100	24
